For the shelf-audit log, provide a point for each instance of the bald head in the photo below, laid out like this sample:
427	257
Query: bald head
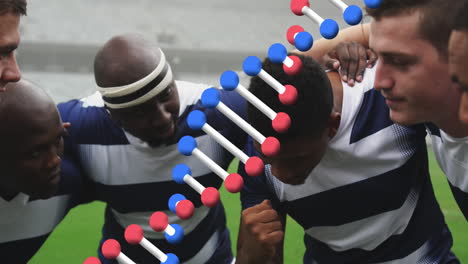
138	88
125	59
23	106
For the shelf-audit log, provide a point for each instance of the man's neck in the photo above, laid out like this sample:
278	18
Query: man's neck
453	126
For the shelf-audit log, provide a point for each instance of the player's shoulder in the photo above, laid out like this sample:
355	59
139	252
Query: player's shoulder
90	121
189	93
84	108
190	89
453	148
191	85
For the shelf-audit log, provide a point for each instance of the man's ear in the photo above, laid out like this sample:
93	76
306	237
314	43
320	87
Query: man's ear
333	123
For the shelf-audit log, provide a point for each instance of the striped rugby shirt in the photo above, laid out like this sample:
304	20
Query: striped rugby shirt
452	155
370	199
135	180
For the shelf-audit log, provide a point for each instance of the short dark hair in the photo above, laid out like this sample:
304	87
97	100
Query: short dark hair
396	7
309	115
13	6
461	19
436	21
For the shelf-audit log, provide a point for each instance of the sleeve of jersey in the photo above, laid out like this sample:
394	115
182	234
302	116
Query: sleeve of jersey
67	114
75	182
83	189
234	101
237	104
256	189
74	113
90	125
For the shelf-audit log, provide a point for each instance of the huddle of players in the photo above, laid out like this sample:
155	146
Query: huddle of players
352	169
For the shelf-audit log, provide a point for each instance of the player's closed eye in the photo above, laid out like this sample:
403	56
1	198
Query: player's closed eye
399	62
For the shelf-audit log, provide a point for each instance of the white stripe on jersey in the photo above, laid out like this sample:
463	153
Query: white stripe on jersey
367	233
452	156
200	213
94	100
36	218
128	164
142	218
354	158
189	93
207	250
417	257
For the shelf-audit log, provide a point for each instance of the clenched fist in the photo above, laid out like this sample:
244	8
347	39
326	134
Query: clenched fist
262	234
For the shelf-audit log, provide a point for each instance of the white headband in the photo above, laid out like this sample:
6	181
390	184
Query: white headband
121	91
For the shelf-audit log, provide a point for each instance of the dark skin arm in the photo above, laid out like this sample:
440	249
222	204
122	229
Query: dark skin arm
353	58
261	235
349	50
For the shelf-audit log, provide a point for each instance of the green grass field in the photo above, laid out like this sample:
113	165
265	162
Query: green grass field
78	235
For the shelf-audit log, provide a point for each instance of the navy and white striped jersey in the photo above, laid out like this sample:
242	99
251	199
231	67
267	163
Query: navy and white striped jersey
25	223
452	155
370	199
135	180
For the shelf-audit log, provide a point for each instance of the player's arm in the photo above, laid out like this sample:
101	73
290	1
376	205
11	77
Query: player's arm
348	50
261	235
358	34
261	231
74	122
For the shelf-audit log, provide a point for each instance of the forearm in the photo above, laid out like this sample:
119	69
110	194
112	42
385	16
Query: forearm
244	257
359	34
254	255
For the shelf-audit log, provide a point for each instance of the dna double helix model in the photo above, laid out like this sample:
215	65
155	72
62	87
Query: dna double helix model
270	146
